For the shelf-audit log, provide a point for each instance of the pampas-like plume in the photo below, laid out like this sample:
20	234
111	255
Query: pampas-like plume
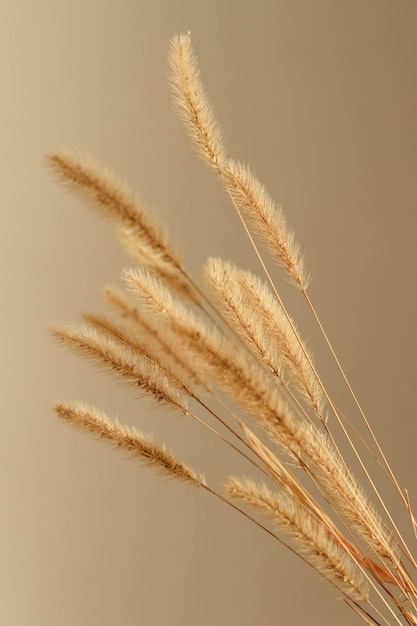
127	438
142	371
312	538
192	103
267	219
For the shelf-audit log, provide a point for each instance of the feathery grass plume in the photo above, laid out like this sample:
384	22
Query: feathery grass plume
127	438
312	538
267	220
192	103
350	498
243	321
145	237
255	315
142	371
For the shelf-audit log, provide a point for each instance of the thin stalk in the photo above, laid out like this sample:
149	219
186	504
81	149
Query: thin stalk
368	448
367	617
383	468
410	512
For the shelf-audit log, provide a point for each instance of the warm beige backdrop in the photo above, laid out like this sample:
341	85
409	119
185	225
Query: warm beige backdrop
320	96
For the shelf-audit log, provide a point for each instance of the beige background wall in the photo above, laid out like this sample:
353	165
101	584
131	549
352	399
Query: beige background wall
320	96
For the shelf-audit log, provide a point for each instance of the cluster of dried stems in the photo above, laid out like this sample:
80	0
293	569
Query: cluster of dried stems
192	350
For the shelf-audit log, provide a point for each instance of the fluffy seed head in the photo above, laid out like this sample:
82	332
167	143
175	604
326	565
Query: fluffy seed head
127	438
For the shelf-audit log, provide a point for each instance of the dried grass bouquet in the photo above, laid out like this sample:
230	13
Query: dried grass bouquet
234	353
